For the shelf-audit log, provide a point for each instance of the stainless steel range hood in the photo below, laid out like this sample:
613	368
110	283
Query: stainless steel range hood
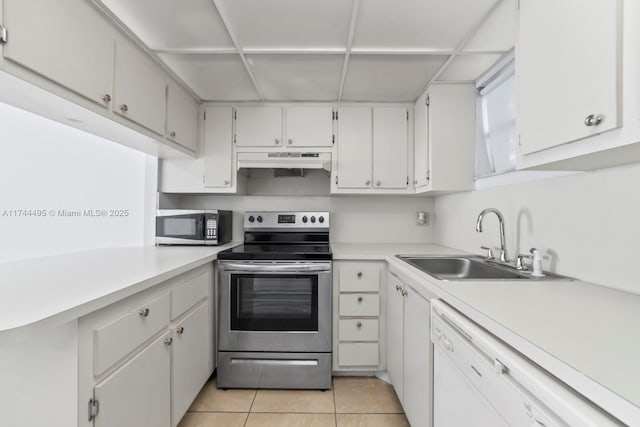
284	160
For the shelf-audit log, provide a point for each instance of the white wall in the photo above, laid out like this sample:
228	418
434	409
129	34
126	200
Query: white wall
586	225
353	219
49	167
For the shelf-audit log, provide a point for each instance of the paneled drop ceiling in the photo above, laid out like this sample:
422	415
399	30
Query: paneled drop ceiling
320	50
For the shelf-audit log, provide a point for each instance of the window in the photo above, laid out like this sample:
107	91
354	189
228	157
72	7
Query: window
496	107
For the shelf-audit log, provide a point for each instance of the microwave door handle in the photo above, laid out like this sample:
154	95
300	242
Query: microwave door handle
285	268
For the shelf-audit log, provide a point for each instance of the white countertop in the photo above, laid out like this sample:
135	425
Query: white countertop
49	291
379	251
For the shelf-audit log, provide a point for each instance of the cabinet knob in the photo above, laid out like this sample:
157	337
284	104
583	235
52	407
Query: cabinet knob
360	299
398	287
106	98
124	108
144	312
290	141
415	181
359	274
359	325
367	183
276	141
168	341
404	293
227	182
180	330
378	183
172	134
593	120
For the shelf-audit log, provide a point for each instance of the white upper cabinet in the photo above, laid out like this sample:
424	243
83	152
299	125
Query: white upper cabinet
218	148
309	127
67	41
354	147
568	68
182	117
390	147
258	126
139	87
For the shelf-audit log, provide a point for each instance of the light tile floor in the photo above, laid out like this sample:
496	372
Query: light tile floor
352	402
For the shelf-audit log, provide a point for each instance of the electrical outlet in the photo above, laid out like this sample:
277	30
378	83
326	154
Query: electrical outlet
422	218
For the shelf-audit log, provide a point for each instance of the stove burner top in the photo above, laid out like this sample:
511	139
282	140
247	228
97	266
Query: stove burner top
278	252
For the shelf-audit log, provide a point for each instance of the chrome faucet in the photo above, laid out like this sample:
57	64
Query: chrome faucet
503	250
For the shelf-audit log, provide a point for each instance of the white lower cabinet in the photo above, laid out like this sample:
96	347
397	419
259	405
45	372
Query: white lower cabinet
357	315
137	394
136	367
409	350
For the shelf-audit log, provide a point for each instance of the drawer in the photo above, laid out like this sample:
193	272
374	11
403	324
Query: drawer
115	340
359	305
359	277
358	354
189	293
358	330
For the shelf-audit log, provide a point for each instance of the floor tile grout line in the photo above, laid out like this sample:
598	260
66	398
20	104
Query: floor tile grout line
255	394
335	408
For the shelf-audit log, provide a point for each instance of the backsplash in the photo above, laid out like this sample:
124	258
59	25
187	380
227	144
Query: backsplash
585	225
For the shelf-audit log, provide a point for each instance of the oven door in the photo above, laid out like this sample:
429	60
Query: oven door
275	306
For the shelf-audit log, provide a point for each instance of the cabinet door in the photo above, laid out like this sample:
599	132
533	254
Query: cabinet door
421	143
182	117
190	363
390	147
418	357
258	126
309	127
67	41
395	316
139	88
354	147
218	147
138	394
568	67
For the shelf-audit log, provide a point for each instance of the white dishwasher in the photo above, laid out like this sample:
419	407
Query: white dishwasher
481	382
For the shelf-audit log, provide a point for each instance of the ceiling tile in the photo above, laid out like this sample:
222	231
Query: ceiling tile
213	77
468	67
390	78
171	24
499	31
298	77
417	24
289	23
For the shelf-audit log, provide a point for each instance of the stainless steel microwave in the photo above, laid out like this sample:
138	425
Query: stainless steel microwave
193	227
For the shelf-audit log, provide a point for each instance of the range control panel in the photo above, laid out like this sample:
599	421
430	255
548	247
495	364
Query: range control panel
283	220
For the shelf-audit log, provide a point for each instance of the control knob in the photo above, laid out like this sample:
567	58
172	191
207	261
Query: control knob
321	219
305	219
259	218
251	218
313	219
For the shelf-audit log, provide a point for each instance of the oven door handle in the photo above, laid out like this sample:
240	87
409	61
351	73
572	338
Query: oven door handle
275	268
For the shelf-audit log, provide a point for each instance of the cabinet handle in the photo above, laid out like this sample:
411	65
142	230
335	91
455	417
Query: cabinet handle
226	182
172	134
359	325
290	141
404	293
367	183
359	274
593	120
168	341
415	181
124	108
276	141
360	299
398	287
144	312
378	183
180	330
106	98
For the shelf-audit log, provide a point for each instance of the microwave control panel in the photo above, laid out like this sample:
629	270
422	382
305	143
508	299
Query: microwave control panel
211	227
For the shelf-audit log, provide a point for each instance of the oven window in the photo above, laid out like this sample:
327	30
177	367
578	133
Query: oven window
274	302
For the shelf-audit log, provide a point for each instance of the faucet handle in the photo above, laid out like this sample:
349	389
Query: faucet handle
520	262
489	252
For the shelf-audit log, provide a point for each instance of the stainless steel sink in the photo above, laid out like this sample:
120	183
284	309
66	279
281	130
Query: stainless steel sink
465	268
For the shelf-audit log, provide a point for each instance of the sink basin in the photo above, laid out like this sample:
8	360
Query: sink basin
463	268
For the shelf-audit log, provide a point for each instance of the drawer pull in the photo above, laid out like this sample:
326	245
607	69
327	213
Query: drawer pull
359	325
124	108
360	299
172	134
168	341
359	274
180	330
398	287
106	98
144	312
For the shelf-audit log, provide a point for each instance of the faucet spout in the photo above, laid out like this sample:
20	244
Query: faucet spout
503	249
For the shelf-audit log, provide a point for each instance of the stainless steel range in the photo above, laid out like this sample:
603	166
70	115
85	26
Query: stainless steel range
274	316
